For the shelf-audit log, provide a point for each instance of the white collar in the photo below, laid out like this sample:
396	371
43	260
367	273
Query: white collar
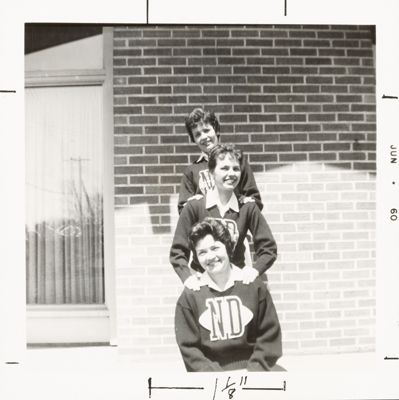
203	156
212	199
236	275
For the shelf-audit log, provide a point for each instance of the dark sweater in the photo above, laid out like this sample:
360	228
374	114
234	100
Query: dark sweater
196	180
249	218
234	329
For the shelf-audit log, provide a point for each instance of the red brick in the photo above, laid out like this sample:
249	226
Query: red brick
273	33
187	70
200	61
307	108
217	70
158	169
346	61
321	117
330	35
320	98
157	90
245	33
139	120
127	110
319	79
218	51
127	33
317	43
127	71
318	61
157	110
302	34
229	42
246	52
345	43
246	89
157	52
287	42
290	98
172	99
260	60
142	100
364	127
334	89
231	79
185	33
143	199
275	52
335	107
292	118
156	33
275	70
306	89
263	118
246	70
129	190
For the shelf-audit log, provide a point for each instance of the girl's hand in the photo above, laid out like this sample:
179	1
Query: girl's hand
192	283
244	200
195	197
249	274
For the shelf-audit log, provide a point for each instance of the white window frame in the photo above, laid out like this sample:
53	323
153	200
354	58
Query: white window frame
84	323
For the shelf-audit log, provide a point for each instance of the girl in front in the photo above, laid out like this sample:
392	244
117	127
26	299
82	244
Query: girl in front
226	324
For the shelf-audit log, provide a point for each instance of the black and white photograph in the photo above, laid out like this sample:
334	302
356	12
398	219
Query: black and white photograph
202	197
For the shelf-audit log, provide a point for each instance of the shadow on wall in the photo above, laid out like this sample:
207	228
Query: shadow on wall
323	283
161	215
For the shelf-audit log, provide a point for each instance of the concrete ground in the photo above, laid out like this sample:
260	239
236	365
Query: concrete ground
107	357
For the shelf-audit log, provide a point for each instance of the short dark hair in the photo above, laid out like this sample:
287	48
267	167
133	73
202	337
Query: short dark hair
199	115
214	227
220	151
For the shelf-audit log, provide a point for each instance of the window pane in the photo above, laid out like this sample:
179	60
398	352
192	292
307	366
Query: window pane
64	212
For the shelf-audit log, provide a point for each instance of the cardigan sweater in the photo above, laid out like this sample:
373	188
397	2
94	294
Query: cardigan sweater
234	329
197	180
249	218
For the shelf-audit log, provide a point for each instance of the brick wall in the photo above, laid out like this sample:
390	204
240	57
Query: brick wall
300	102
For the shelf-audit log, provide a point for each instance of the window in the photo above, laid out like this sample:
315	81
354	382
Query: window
69	206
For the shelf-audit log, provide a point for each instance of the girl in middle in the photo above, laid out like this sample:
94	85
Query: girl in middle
221	203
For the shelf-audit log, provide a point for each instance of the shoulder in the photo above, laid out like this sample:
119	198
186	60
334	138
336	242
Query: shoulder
186	298
255	291
194	205
190	168
249	208
259	286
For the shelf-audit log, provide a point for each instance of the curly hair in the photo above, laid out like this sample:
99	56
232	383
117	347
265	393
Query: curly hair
220	151
214	227
199	115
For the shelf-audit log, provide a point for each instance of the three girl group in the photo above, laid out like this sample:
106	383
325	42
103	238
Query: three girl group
225	318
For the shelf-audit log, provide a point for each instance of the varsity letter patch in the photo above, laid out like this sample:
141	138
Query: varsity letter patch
205	182
225	317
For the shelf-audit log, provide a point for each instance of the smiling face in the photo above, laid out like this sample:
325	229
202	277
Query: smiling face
227	173
204	136
213	257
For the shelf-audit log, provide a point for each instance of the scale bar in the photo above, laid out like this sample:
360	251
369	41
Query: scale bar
247	388
178	387
151	388
265	388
